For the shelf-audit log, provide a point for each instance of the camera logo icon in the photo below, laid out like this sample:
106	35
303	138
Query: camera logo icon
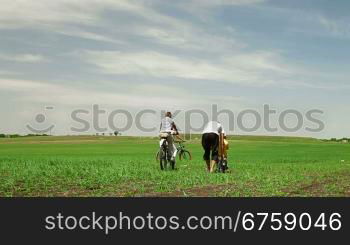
41	125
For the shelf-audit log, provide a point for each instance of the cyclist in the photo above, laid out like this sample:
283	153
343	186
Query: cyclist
210	143
168	126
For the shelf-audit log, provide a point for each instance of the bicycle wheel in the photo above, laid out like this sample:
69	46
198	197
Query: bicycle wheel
163	159
157	156
185	155
222	166
172	164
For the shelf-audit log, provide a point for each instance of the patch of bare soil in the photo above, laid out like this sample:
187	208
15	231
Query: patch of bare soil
317	187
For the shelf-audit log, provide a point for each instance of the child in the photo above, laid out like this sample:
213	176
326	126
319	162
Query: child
226	147
223	152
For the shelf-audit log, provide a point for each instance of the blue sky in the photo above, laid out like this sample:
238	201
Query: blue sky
134	55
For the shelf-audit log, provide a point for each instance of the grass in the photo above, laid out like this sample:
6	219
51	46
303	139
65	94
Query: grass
126	166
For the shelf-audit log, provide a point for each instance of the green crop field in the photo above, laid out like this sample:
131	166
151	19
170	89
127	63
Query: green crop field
126	166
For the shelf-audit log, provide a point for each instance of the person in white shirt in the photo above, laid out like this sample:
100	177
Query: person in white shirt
168	126
210	143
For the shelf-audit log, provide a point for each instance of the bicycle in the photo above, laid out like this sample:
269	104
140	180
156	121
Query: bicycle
181	152
163	153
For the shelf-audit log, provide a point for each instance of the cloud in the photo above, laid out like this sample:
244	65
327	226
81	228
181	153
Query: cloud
251	69
24	85
39	13
43	12
82	19
189	38
337	28
66	17
137	97
141	49
24	58
314	22
74	17
225	2
40	92
87	35
202	9
6	73
242	68
193	51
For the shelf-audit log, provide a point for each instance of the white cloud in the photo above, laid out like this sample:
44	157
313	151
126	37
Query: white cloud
61	16
25	58
6	73
86	11
202	9
225	2
314	23
337	28
39	92
137	96
44	12
186	48
243	68
58	16
256	69
24	85
21	13
190	38
87	35
259	60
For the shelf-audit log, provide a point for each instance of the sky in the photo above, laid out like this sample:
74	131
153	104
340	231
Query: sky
57	57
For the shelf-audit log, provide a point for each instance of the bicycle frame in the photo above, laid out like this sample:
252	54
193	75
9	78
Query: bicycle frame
161	142
180	147
164	157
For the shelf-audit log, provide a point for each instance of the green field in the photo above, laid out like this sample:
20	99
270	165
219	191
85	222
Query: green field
126	166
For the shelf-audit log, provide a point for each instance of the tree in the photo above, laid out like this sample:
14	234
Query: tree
2	136
116	133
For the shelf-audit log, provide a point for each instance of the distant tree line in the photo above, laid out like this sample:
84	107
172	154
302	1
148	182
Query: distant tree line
115	133
340	140
18	135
